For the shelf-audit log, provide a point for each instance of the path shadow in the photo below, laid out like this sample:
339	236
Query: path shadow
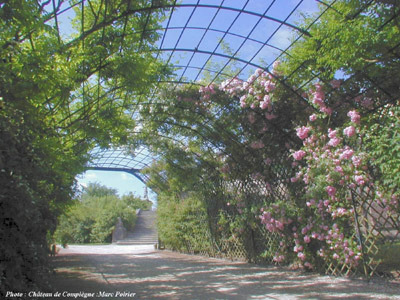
168	275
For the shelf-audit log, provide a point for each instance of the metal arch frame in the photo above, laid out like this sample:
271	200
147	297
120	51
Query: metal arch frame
119	161
133	172
247	62
195	6
210	53
236	10
155	7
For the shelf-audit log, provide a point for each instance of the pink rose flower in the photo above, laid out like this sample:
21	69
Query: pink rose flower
302	132
349	131
258	72
331	133
356	161
298	155
313	117
347	154
326	110
359	179
331	190
318	98
269	86
264	104
334	142
276	64
339	169
354	116
301	255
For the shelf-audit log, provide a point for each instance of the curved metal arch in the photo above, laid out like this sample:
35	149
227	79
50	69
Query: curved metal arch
213	53
199	5
134	172
229	33
122	160
301	30
195	131
155	7
212	30
115	161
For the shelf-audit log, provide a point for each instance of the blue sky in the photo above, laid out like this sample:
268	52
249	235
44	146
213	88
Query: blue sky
123	182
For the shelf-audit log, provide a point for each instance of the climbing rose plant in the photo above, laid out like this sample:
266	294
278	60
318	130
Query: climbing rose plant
331	166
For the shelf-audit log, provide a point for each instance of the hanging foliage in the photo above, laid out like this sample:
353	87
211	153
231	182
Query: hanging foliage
61	94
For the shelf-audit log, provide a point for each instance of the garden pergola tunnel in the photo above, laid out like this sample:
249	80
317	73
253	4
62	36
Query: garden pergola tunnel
206	44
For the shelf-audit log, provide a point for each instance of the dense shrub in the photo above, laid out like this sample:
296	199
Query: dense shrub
30	190
91	219
182	223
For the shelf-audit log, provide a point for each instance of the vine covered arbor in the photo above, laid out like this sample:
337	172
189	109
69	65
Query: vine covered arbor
269	129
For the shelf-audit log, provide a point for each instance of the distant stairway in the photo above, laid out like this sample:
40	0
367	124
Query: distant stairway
145	232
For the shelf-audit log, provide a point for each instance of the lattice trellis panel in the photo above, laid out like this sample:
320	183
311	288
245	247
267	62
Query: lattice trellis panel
379	228
373	228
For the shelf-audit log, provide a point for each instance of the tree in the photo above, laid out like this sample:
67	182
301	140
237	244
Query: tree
97	190
357	42
59	98
92	218
136	202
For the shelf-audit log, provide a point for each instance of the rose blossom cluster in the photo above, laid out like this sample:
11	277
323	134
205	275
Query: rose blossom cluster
318	99
333	241
256	91
330	165
276	221
207	91
302	132
327	153
232	86
341	249
273	224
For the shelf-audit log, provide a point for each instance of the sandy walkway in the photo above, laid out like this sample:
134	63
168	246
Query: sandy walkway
140	272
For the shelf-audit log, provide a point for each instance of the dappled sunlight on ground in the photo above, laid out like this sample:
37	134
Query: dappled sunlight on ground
167	275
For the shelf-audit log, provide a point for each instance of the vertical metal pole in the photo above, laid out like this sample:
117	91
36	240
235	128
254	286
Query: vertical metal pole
360	238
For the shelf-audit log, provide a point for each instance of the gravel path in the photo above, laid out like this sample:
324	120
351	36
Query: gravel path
140	272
